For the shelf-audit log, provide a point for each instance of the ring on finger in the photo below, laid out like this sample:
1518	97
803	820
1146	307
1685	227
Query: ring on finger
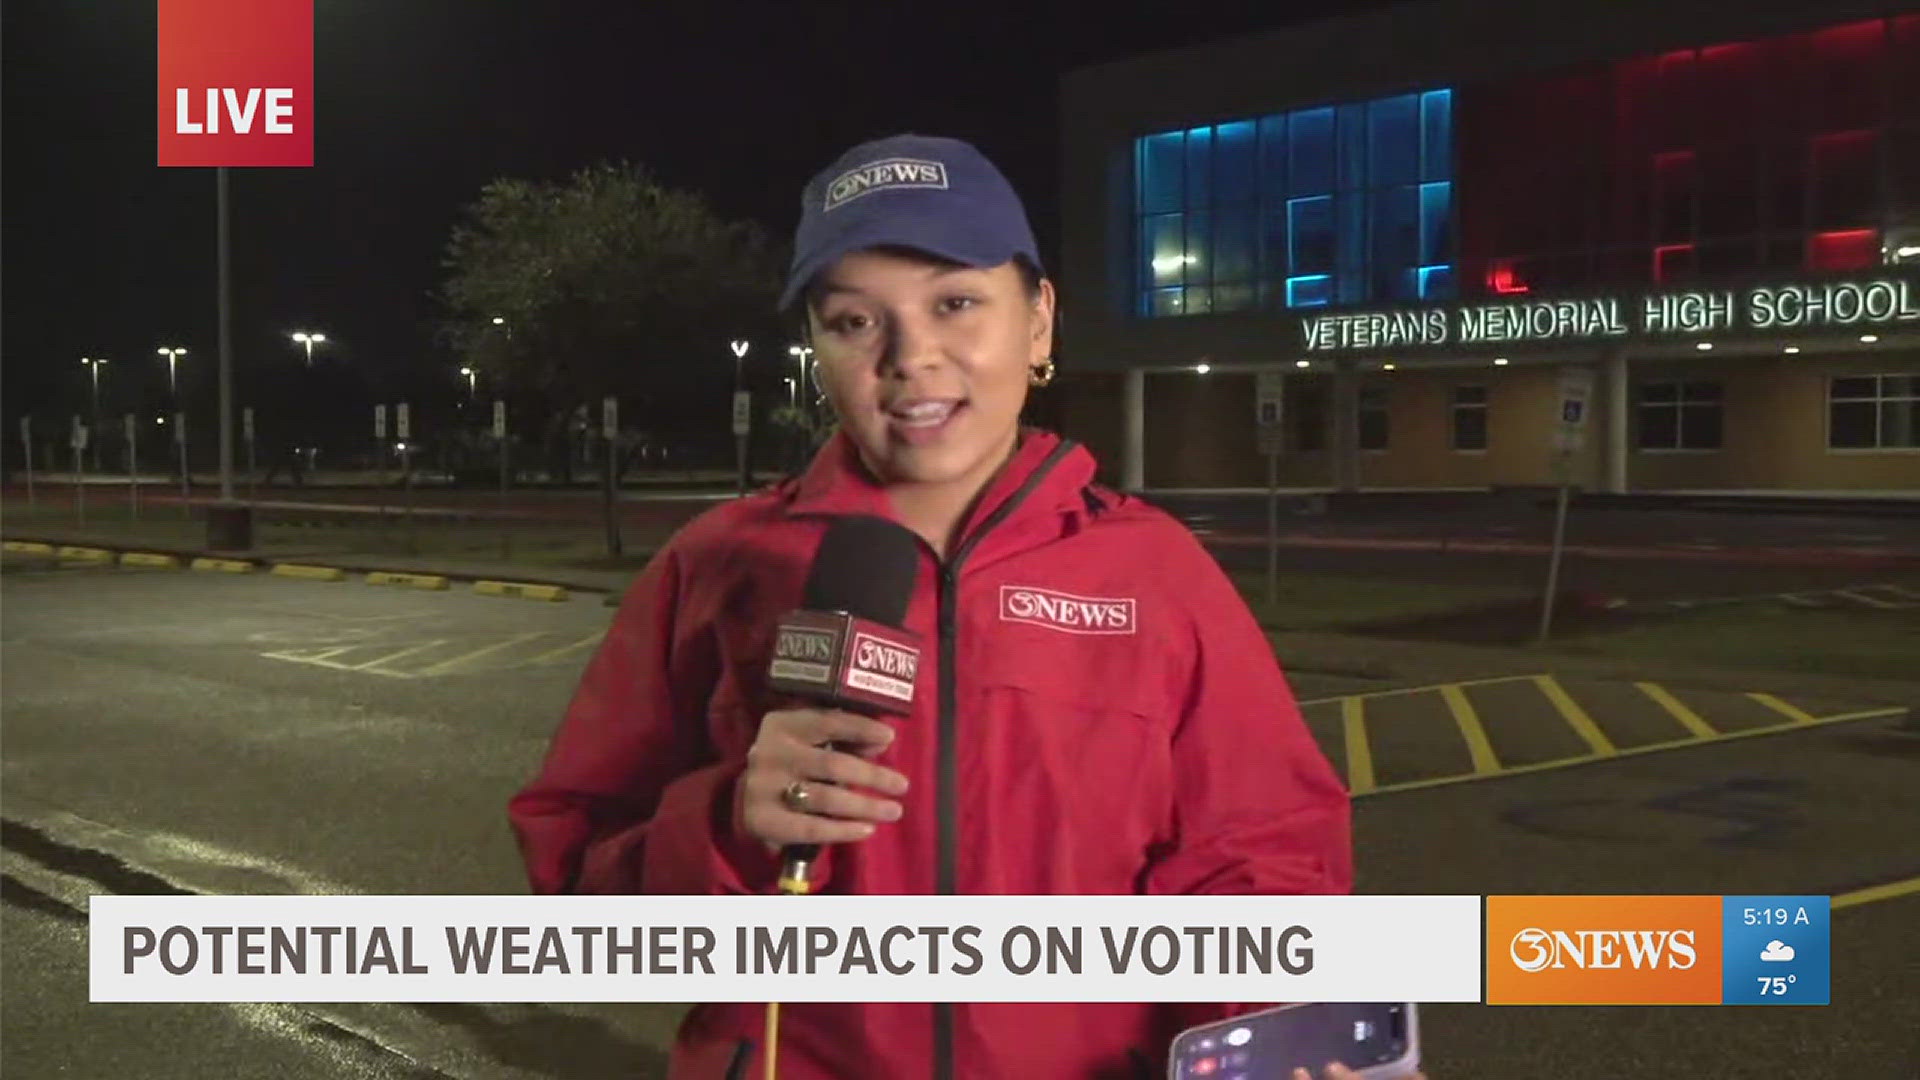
797	797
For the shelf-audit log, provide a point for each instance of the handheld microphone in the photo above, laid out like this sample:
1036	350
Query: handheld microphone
844	648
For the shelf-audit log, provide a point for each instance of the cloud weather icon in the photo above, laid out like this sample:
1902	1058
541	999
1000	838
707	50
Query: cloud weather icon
1777	951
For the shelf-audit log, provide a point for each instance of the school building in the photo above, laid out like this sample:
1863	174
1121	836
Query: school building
1417	226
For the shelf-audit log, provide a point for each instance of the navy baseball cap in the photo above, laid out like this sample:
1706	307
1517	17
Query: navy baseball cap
931	194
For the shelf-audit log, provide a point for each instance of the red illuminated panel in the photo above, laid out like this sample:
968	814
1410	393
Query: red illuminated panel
1501	278
1849	63
1846	249
1671	260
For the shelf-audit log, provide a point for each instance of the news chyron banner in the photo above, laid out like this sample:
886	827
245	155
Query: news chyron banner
1536	950
1658	950
235	83
784	948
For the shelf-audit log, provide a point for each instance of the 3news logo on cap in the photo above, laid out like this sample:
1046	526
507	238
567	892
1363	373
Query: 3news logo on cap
235	83
1656	950
932	194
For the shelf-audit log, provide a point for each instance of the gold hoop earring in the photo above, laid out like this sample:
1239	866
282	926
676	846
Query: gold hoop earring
1041	374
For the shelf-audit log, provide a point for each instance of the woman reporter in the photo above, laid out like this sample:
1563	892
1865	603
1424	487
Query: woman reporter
1097	713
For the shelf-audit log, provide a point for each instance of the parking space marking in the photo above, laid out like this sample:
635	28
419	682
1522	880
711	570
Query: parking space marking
366	649
1485	763
1353	724
1676	744
383	661
325	658
1789	711
1398	691
445	666
554	654
1873	893
1575	716
1687	717
1439	729
1859	596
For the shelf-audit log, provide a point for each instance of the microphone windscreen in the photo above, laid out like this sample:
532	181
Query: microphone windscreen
865	566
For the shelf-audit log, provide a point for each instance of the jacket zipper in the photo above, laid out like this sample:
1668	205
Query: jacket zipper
947	872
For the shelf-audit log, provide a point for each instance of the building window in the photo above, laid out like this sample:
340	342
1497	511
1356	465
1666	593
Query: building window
1371	420
1679	415
1873	412
1327	205
1469	418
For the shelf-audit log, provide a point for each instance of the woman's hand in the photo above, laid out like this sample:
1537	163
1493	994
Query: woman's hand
1337	1071
826	751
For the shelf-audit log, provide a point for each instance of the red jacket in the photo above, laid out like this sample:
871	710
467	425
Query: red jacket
1164	754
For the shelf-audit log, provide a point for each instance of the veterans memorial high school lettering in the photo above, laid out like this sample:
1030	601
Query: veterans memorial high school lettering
1881	301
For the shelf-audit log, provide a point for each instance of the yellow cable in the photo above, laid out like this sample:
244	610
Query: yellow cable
792	884
772	1036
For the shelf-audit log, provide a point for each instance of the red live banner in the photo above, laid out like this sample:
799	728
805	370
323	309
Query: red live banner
236	83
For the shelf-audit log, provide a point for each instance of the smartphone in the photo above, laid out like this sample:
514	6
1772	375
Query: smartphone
1375	1040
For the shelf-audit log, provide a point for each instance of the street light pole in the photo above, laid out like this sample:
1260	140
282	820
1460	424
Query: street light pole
739	347
802	354
309	340
173	383
226	345
95	438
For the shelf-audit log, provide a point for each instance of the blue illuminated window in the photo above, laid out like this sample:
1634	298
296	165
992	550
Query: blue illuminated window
1311	290
1335	204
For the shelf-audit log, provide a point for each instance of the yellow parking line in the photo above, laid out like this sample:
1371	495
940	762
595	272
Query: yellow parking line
1353	720
1633	751
29	547
391	657
445	666
1790	712
86	554
1484	760
1417	689
555	654
1575	716
1687	717
1877	892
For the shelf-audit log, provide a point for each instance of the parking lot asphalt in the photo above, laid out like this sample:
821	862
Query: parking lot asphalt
241	733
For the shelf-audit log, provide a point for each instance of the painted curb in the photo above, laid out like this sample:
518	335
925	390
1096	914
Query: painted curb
410	581
520	590
309	573
86	554
149	558
225	566
28	547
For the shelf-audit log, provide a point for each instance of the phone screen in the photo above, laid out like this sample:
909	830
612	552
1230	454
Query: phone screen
1269	1045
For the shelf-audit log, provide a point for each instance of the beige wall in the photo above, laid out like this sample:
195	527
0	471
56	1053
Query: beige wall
1200	430
1775	430
1520	425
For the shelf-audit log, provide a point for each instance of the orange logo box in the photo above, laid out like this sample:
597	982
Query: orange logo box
1603	950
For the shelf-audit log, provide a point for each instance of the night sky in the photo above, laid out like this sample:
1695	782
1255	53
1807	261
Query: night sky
421	102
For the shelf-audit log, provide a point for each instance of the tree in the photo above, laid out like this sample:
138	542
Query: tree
606	283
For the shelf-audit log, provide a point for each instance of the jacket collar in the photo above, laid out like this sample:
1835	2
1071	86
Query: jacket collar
1045	475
